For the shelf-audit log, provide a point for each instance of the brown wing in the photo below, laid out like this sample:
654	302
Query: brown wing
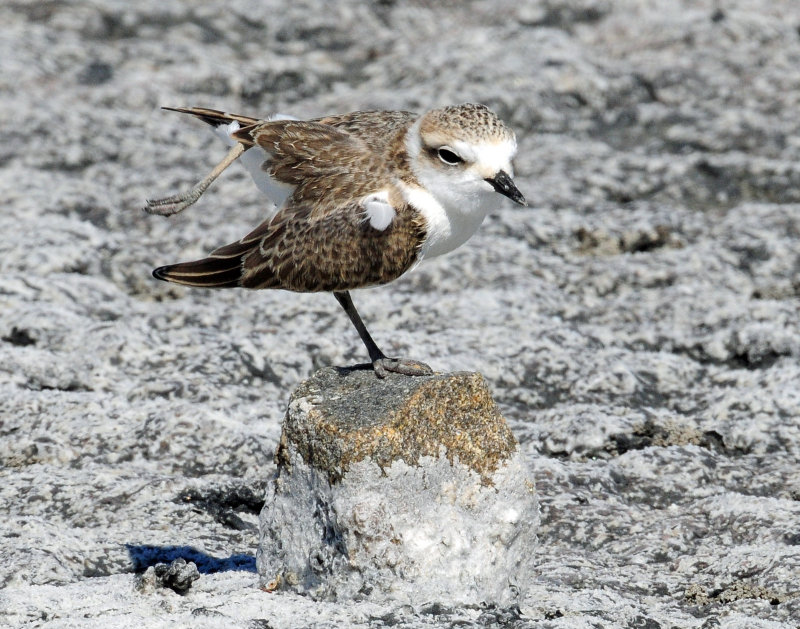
377	129
321	240
327	167
337	251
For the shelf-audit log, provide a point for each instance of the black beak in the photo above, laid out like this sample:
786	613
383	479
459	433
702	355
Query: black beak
505	186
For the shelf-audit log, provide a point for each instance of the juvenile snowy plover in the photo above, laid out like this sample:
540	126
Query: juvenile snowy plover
359	199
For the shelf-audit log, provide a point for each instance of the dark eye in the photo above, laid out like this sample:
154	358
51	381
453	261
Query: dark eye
448	156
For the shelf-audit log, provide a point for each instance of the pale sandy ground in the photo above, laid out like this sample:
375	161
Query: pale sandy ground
638	324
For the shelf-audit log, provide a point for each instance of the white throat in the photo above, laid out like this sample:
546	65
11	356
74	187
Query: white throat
453	209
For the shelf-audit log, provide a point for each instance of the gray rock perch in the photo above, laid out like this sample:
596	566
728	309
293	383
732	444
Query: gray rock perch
410	489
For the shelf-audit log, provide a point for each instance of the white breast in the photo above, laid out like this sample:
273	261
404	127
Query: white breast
448	227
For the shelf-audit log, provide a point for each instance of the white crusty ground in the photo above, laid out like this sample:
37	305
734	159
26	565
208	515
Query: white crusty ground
654	391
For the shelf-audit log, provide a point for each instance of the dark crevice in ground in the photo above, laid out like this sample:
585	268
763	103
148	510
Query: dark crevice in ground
225	503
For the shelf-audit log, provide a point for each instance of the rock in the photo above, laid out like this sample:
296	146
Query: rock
339	417
178	576
403	488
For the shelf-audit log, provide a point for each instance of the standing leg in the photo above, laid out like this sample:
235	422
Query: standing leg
380	363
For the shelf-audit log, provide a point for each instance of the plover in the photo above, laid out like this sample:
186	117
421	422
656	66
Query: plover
358	200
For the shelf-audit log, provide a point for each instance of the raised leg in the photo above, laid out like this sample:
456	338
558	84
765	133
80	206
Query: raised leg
380	363
179	202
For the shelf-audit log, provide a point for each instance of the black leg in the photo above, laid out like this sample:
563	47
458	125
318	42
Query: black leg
347	303
380	363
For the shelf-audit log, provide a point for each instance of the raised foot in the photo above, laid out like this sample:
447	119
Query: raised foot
384	366
179	202
170	205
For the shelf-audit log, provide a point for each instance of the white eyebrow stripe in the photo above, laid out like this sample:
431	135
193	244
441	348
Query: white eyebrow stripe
494	155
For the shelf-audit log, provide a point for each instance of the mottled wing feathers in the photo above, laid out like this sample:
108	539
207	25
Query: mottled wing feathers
377	129
324	165
339	251
324	238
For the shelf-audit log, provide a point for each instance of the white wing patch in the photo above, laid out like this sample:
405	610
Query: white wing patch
379	212
276	191
254	158
225	130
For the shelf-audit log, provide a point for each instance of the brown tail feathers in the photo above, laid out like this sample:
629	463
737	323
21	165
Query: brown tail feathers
214	117
206	273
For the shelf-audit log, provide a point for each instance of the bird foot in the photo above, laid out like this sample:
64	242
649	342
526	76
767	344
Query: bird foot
171	205
384	366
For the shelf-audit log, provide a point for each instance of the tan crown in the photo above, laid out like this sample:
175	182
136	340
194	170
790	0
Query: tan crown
469	122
